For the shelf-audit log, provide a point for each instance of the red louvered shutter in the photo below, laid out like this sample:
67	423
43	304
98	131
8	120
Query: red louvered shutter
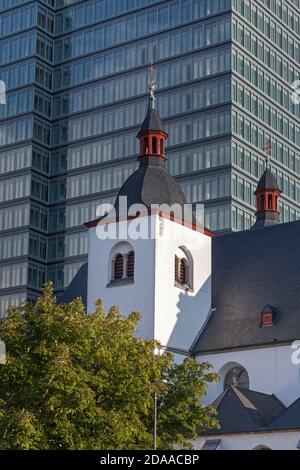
176	268
183	272
118	267
130	265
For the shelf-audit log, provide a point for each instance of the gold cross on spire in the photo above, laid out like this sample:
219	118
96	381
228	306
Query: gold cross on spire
152	69
267	150
152	84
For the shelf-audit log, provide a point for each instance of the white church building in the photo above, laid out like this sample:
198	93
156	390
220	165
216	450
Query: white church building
231	299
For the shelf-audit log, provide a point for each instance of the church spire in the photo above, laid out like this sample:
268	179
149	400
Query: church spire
152	134
267	195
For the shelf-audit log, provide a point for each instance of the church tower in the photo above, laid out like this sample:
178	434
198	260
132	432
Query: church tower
154	261
267	197
152	135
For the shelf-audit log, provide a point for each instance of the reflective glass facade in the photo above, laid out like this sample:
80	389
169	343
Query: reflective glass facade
76	75
265	64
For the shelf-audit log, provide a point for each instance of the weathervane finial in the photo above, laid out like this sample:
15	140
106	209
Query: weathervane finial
152	85
267	150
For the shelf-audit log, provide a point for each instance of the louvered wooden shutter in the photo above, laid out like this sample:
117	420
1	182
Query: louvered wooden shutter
183	272
118	267
130	265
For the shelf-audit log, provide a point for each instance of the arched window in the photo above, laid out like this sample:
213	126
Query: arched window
161	146
262	448
270	202
154	145
146	151
262	202
118	268
183	268
238	377
121	263
130	265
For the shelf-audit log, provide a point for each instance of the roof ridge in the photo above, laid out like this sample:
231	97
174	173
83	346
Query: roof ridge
259	410
286	409
241	232
239	393
247	408
265	394
220	398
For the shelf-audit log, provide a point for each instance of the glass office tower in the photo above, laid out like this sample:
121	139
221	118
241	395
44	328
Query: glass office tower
26	68
76	74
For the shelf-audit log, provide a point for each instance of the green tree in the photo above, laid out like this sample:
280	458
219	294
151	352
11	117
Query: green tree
78	381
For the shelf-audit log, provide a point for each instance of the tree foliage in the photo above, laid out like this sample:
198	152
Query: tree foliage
78	381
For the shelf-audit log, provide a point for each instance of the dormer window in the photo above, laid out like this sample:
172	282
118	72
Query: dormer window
267	316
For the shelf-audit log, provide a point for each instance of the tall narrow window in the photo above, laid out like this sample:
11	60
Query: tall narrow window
161	146
270	201
146	151
130	265
122	265
183	269
118	267
154	145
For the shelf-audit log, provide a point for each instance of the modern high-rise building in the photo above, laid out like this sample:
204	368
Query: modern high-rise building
76	76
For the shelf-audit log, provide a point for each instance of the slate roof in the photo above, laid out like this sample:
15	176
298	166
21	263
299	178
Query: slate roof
265	219
77	287
152	122
241	411
288	419
151	184
252	269
267	181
